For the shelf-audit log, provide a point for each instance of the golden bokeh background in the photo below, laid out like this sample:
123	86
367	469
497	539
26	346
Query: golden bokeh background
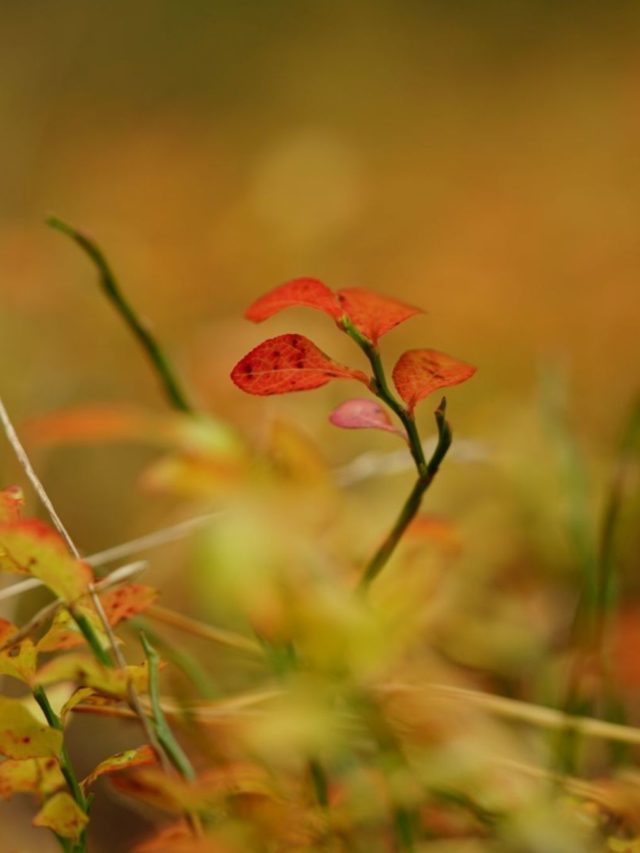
480	159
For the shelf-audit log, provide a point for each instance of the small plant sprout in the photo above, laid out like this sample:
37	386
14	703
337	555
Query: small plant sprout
292	362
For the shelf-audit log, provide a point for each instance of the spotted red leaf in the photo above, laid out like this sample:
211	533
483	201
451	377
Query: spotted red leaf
301	291
372	314
363	414
288	363
418	372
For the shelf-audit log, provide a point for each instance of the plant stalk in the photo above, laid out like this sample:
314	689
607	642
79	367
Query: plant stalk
172	388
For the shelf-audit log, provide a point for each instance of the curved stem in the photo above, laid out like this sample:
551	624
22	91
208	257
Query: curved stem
65	765
426	470
173	391
413	502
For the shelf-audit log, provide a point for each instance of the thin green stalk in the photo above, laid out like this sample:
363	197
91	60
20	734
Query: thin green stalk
628	448
165	736
66	767
426	470
413	502
380	388
172	388
320	782
93	641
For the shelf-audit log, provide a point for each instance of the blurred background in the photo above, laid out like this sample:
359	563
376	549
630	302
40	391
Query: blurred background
478	159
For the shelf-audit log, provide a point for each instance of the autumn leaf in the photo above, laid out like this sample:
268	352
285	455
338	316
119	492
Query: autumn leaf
19	660
79	696
288	363
31	547
419	372
63	815
64	633
363	414
126	601
22	736
37	775
372	314
87	672
307	292
121	761
11	501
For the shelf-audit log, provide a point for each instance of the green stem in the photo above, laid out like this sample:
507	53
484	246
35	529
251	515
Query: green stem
65	766
426	470
165	736
413	502
380	388
93	641
159	360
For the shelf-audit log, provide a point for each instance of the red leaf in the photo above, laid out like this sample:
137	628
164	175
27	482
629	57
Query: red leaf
288	363
372	314
301	291
363	414
421	371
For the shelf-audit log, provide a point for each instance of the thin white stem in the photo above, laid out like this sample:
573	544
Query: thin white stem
151	540
25	462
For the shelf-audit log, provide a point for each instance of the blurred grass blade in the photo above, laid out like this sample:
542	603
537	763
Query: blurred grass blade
173	390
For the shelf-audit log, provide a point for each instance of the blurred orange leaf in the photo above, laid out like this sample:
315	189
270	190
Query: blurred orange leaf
126	601
288	363
11	501
419	372
121	761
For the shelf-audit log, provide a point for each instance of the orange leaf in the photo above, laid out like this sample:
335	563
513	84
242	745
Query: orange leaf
93	423
301	291
121	761
39	775
127	601
63	815
11	500
418	372
288	363
32	547
372	314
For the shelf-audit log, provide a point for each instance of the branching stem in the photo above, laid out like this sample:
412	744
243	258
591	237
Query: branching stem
426	470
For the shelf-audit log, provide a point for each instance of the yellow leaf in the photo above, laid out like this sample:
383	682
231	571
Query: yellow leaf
87	672
31	547
63	815
40	775
17	661
22	736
